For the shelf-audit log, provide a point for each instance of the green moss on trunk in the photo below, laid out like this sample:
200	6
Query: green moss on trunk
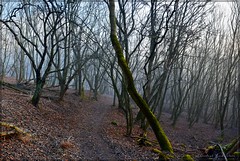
37	93
159	133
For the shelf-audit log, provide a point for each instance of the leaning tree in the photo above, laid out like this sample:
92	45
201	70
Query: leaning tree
159	133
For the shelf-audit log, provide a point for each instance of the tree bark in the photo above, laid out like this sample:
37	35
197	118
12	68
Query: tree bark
37	93
159	133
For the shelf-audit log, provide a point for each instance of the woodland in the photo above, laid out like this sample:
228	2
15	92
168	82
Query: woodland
120	80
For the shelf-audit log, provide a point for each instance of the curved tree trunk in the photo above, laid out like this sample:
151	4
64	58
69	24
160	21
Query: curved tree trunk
159	133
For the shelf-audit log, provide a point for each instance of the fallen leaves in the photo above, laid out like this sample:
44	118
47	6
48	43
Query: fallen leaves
92	127
26	139
66	144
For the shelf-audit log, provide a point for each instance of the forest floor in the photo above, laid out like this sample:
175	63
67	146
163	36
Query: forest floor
83	129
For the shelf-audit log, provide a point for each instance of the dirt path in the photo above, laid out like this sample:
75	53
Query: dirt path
90	137
92	122
87	124
82	124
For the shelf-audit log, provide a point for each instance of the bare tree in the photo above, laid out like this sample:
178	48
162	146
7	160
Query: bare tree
69	61
229	60
160	135
43	19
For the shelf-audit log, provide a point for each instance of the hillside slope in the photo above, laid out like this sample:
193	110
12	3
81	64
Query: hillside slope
82	129
71	129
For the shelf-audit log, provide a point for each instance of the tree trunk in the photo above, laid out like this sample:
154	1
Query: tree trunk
63	89
37	92
160	135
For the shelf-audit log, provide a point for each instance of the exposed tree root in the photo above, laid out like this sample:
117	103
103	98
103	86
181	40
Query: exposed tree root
14	130
163	155
226	152
233	146
144	141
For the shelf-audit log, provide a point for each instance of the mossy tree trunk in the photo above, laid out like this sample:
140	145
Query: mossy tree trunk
159	133
37	93
63	90
40	82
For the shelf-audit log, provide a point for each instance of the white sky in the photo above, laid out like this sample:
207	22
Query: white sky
225	7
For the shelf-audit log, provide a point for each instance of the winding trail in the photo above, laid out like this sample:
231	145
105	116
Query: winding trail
90	137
